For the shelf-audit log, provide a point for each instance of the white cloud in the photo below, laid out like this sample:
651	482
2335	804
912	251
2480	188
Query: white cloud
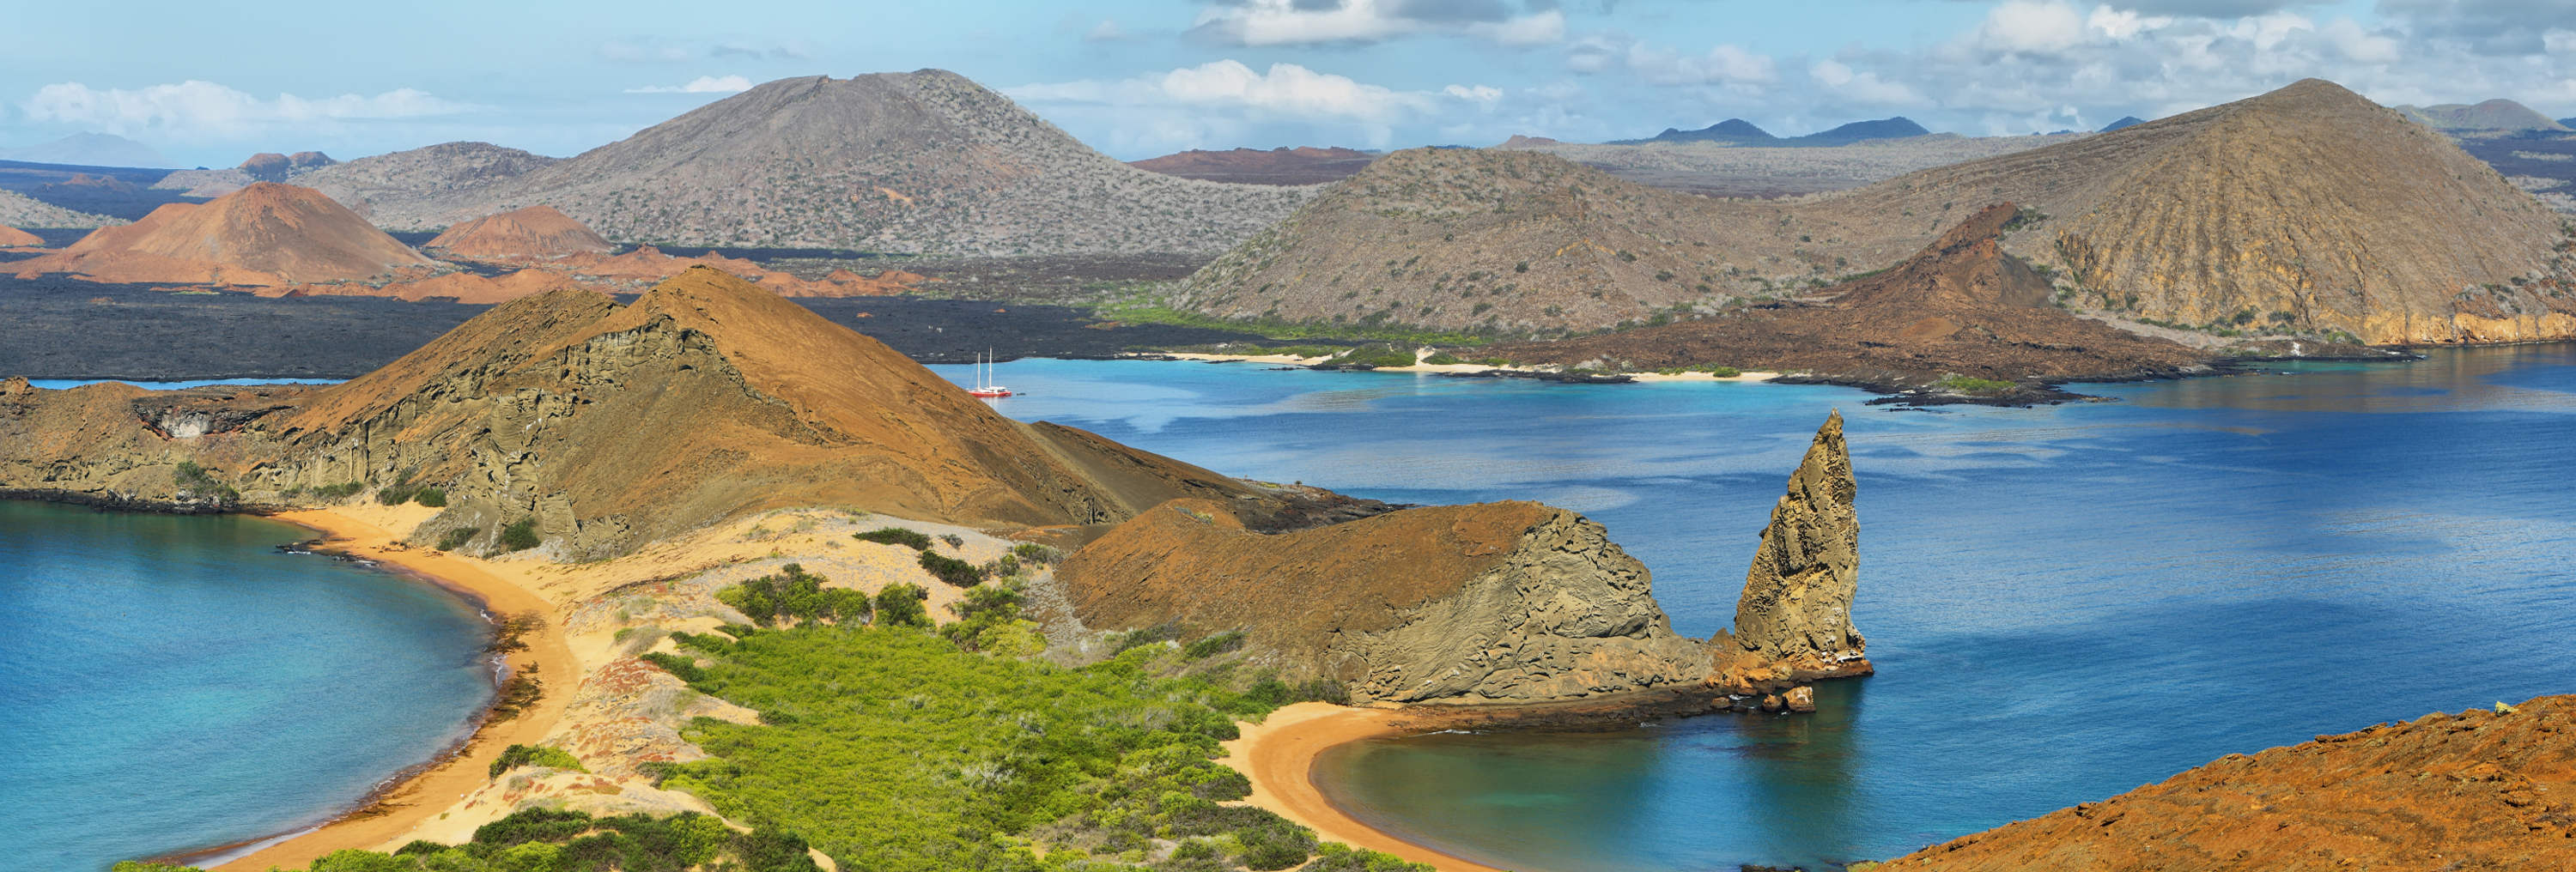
1481	95
699	85
2031	27
199	109
1105	31
1288	22
1862	87
1285	89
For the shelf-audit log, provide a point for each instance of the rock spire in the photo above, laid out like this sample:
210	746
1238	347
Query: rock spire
1798	594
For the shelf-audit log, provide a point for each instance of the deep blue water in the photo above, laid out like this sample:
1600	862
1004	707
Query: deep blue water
2064	603
169	683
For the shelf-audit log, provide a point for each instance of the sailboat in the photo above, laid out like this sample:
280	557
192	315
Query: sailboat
984	386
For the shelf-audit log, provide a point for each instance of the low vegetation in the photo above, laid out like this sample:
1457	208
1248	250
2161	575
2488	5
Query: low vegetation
913	539
546	840
951	570
516	756
1960	384
456	538
521	535
196	481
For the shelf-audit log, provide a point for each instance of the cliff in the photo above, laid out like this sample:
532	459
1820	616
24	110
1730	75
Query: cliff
2478	790
1458	605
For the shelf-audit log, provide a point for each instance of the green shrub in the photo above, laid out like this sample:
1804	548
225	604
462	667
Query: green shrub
521	535
1725	371
912	539
340	491
546	840
952	570
457	538
433	497
901	605
1210	646
516	756
795	594
1034	554
1960	384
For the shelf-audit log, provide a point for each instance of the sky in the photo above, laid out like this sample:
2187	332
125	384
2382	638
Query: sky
209	85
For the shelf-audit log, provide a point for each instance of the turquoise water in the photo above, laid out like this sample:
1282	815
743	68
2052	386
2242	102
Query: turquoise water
174	684
2064	603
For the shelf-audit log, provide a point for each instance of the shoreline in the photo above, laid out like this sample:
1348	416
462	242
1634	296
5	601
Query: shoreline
1278	755
1465	369
416	794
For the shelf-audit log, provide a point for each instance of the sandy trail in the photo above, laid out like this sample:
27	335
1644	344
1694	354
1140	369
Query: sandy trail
1278	755
432	791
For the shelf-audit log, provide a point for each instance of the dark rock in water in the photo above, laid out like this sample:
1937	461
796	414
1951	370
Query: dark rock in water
1798	595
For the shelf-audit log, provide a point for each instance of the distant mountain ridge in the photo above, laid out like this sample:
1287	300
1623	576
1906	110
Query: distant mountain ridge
2492	115
2126	121
90	149
1742	132
920	162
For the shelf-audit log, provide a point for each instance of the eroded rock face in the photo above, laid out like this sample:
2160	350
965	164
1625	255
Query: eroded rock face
1510	602
1798	594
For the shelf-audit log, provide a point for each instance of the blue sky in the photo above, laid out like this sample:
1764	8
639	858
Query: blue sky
209	85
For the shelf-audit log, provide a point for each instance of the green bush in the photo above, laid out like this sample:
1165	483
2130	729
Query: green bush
521	535
795	594
340	491
952	570
1960	384
901	605
516	756
433	497
546	840
1210	646
912	539
1034	554
457	538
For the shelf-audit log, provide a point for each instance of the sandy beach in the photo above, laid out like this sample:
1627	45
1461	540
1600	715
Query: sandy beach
429	792
1278	755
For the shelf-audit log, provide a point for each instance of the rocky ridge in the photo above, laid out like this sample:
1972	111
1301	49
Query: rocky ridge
20	210
1302	165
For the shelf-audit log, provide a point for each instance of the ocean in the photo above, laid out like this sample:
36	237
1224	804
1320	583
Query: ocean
2063	602
174	684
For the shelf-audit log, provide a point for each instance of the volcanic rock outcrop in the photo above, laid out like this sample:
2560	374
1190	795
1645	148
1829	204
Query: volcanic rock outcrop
529	234
2305	211
274	167
265	234
2478	790
926	161
1483	604
1793	624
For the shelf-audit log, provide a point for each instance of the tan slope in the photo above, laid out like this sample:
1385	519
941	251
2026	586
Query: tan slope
2479	790
925	161
11	237
1505	240
264	234
2308	201
705	398
532	233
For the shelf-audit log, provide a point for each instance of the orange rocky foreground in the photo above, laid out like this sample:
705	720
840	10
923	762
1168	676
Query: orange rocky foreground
2481	790
535	233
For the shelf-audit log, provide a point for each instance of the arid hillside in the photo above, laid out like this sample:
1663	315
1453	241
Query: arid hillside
2307	210
20	210
265	234
2477	790
924	161
1755	169
1303	165
1959	308
530	234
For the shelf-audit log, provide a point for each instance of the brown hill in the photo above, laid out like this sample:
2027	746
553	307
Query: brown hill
2477	790
1480	604
1961	307
265	234
925	161
532	233
2492	116
1302	165
395	189
11	237
2304	210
